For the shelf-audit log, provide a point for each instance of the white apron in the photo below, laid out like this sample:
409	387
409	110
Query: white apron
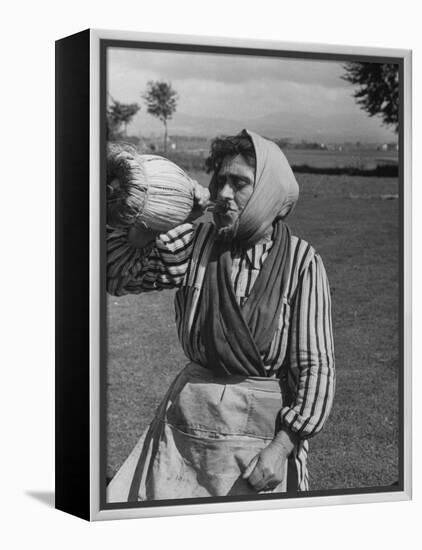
204	434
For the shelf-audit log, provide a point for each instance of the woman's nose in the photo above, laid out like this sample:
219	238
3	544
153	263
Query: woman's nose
225	192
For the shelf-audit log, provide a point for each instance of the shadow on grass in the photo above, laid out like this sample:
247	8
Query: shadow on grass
45	497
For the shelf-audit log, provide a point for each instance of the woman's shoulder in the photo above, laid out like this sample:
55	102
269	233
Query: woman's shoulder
301	253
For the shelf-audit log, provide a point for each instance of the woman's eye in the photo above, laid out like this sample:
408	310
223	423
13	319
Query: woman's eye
240	183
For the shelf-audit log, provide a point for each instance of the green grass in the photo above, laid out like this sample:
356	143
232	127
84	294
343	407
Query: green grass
358	241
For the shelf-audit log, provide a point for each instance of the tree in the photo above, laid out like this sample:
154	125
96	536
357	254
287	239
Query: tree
119	114
161	101
378	92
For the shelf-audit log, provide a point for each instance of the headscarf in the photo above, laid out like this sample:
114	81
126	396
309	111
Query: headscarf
235	337
275	193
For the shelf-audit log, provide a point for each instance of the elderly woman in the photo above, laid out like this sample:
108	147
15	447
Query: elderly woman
253	315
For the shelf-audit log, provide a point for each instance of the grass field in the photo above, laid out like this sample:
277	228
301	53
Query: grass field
315	160
356	233
356	158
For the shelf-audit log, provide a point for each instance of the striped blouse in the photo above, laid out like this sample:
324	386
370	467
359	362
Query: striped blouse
301	353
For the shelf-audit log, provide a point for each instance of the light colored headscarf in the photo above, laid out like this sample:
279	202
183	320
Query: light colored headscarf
274	196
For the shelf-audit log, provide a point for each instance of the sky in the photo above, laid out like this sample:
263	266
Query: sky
220	93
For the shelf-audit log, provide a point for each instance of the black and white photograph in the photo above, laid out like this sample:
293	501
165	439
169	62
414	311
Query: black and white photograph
253	274
210	275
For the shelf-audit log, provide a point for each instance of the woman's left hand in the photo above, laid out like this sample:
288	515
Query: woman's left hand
267	469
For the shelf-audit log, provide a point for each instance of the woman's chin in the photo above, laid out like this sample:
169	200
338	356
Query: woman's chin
222	220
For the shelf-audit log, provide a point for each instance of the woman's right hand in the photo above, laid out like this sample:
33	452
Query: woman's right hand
201	200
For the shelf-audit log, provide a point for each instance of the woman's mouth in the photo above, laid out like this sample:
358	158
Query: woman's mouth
224	217
221	208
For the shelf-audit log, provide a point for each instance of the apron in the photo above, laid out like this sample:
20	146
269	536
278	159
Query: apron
203	436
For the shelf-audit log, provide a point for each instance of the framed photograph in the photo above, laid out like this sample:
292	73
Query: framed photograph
233	275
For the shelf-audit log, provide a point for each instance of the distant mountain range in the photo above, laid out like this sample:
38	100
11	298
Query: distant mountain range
325	129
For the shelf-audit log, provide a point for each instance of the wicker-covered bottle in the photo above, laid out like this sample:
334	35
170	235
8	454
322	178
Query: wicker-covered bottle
146	190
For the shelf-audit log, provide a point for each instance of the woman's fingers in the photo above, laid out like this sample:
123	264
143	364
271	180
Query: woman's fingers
257	479
200	203
261	482
250	467
265	470
201	195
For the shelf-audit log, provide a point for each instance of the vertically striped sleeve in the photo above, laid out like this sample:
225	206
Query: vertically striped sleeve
161	265
311	353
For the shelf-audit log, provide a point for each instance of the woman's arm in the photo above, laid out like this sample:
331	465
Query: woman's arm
140	261
312	371
159	265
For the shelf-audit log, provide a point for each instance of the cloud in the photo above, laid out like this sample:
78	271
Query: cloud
240	88
225	68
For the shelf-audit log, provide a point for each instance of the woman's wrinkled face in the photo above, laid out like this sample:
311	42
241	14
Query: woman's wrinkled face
235	183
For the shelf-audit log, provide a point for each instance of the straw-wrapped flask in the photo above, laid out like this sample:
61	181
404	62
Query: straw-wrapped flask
146	190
